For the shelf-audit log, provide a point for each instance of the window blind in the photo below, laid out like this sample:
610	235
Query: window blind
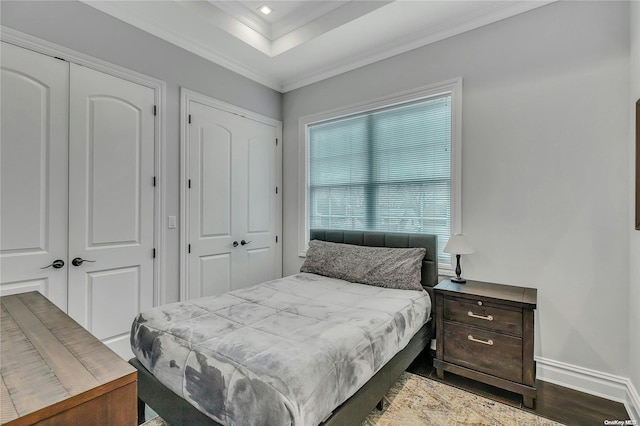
384	170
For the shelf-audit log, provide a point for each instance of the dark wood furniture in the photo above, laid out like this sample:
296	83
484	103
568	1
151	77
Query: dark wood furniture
54	372
178	412
485	332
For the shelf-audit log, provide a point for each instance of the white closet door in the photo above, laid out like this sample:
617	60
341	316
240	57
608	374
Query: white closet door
211	156
258	258
232	199
111	169
33	194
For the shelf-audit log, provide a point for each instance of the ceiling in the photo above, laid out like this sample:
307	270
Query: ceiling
304	41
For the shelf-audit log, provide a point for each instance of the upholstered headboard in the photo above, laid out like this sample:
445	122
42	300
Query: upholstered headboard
389	239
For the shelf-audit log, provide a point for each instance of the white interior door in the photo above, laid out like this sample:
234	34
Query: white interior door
233	211
111	196
33	173
210	201
259	258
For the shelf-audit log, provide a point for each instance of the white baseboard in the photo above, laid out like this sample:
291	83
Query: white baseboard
604	385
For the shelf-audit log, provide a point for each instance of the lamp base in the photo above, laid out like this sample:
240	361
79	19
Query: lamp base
457	280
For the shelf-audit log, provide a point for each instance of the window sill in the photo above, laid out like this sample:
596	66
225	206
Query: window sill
446	271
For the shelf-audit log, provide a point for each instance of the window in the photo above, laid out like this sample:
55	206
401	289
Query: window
387	167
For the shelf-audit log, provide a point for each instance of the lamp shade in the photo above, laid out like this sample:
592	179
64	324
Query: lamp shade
458	244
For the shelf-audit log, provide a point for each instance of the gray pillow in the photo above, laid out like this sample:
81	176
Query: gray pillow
398	268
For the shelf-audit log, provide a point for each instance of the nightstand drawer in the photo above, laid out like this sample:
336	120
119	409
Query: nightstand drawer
483	314
492	353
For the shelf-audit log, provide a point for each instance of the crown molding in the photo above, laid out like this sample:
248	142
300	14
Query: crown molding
244	14
299	17
186	43
385	51
395	48
304	15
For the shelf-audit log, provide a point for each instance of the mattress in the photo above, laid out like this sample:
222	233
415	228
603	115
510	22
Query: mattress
284	352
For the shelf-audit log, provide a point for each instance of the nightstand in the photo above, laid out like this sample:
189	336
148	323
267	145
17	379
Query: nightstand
484	331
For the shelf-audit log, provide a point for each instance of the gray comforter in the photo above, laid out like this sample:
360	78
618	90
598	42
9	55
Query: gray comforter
285	352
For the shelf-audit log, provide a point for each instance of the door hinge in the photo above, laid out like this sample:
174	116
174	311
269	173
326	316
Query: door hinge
189	183
189	118
276	189
155	110
276	141
276	238
154	181
189	248
154	253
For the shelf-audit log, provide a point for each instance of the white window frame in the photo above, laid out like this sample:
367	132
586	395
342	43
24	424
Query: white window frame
451	87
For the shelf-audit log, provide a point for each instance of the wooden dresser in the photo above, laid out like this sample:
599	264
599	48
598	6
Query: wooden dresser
54	372
485	332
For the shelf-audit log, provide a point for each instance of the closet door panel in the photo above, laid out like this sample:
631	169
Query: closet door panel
233	210
214	181
114	172
260	202
33	173
211	216
111	197
261	184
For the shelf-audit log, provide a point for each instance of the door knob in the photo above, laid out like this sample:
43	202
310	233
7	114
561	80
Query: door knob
235	243
79	261
56	264
244	243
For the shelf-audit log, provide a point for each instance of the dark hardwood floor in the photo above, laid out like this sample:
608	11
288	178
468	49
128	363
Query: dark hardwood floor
553	402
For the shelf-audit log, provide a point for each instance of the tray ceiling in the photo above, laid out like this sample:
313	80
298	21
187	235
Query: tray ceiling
301	42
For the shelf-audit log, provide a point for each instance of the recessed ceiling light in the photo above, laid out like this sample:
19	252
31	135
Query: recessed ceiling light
265	9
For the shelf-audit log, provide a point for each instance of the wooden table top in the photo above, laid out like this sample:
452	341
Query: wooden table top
522	295
49	363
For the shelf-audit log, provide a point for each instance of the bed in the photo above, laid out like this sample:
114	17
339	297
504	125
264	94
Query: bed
306	349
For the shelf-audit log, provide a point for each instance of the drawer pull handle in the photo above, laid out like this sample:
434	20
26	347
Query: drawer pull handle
484	342
488	317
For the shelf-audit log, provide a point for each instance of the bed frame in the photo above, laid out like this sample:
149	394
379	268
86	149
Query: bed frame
179	412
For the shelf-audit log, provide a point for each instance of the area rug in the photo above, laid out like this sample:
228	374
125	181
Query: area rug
417	401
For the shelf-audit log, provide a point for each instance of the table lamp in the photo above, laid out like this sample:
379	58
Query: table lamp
458	245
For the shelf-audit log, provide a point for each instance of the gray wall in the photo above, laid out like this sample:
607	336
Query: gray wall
545	169
87	30
634	249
